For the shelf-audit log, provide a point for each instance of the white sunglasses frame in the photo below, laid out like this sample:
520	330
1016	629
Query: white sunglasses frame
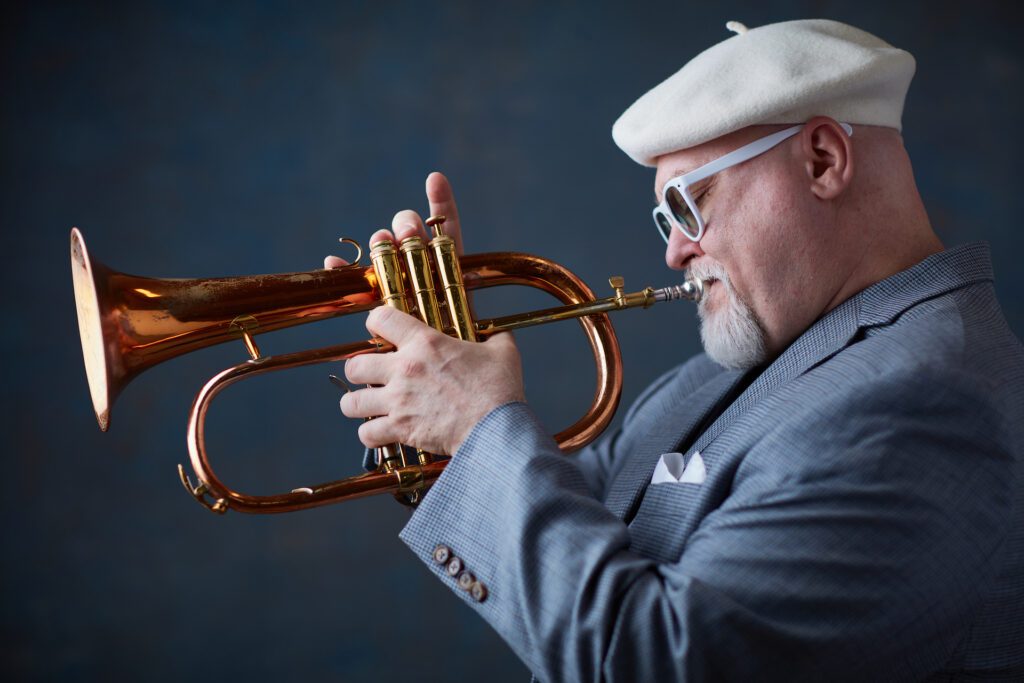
683	182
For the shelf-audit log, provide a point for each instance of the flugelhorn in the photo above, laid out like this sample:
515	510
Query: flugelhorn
130	323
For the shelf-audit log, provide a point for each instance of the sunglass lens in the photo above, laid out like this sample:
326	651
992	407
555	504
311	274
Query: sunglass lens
664	225
681	211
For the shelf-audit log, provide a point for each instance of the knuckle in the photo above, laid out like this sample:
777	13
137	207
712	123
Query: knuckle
446	365
411	367
429	340
378	319
378	314
402	404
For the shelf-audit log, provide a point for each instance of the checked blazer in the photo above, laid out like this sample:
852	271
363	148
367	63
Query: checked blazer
861	519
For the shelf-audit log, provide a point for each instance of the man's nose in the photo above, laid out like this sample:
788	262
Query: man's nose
680	250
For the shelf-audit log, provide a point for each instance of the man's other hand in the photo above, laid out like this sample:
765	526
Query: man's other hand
433	389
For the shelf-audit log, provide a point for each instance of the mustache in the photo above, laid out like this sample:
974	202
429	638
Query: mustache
708	270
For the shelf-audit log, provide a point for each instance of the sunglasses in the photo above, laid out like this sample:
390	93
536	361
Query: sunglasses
678	207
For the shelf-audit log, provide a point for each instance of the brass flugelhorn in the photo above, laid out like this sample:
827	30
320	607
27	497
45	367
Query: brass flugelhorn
130	323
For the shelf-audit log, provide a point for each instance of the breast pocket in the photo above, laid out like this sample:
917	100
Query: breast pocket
665	519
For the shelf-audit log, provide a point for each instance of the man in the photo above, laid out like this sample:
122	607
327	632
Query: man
831	492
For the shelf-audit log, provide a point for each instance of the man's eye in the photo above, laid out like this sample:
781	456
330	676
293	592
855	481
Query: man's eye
703	195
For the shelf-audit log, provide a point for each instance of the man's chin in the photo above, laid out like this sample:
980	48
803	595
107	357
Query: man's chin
737	344
730	359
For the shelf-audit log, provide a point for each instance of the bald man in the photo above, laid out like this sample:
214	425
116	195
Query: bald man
832	491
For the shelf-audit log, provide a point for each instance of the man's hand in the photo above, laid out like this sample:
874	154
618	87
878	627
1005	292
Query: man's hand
433	389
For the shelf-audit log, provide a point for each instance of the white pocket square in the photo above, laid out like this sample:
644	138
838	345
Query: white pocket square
673	468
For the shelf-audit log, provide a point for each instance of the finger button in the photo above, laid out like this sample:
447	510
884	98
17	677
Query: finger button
442	554
478	591
466	580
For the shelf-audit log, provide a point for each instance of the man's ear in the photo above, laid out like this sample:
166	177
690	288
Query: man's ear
828	157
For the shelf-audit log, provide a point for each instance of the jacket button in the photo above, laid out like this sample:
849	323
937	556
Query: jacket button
454	566
466	580
478	591
442	553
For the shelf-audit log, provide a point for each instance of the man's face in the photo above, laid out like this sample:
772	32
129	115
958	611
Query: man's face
764	249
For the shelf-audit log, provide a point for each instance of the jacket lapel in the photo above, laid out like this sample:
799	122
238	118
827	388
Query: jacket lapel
683	408
821	341
879	304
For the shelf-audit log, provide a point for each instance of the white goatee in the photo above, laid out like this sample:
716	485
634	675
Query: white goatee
734	337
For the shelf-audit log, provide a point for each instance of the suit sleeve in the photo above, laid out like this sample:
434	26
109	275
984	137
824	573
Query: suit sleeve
850	552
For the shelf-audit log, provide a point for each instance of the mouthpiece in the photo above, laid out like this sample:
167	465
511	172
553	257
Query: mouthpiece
691	290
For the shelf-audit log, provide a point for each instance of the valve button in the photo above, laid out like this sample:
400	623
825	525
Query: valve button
442	554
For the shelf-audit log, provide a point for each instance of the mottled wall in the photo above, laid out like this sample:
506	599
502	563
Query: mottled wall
202	139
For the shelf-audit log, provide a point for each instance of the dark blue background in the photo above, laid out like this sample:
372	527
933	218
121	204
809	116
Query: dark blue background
202	139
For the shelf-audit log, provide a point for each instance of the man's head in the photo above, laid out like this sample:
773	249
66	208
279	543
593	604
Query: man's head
795	231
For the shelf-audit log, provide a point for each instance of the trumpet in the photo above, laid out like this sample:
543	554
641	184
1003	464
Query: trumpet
130	323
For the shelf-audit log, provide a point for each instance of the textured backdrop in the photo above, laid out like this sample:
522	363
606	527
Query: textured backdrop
193	139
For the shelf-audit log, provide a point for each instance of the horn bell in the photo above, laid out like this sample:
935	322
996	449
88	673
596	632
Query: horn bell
130	323
104	364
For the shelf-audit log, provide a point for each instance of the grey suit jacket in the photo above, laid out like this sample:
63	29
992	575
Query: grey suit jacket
862	517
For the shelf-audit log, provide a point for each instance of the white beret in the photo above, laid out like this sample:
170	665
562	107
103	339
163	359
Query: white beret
780	73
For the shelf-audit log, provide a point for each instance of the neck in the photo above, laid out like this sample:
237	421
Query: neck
882	217
897	242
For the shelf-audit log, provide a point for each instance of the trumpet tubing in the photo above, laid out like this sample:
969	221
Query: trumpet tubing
130	323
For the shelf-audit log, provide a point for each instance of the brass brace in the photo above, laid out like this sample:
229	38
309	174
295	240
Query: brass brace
411	485
219	505
244	325
648	297
618	283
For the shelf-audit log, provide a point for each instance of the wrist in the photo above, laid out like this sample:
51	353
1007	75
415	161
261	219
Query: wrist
486	416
